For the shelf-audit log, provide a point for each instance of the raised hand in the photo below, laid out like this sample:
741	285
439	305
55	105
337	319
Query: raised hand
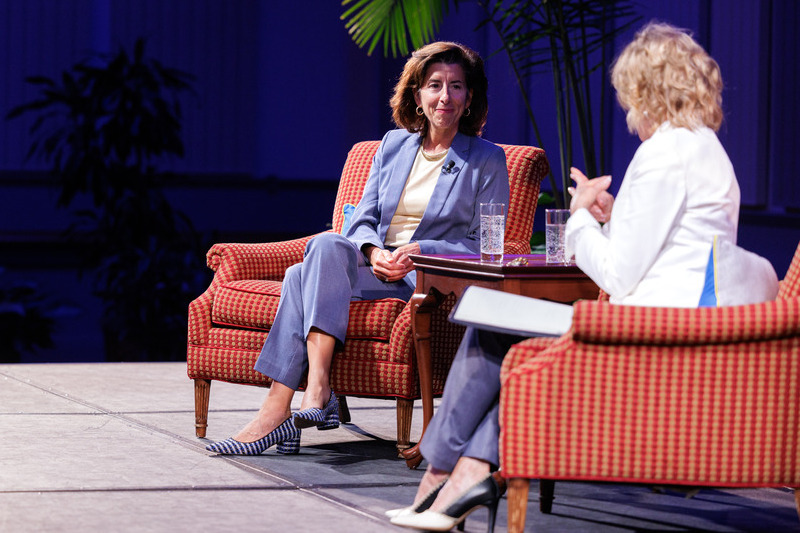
591	194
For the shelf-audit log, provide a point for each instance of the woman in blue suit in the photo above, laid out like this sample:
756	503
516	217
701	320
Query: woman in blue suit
426	182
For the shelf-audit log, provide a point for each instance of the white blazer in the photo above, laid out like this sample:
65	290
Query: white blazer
678	192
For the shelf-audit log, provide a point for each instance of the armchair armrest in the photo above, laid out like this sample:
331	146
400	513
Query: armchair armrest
516	247
524	352
598	322
237	261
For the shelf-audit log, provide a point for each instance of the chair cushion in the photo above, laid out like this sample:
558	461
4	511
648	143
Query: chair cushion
347	212
252	304
246	304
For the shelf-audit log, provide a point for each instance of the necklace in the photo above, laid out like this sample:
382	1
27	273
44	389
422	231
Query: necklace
433	157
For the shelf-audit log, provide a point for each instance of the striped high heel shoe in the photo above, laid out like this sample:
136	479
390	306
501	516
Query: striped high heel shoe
325	418
286	437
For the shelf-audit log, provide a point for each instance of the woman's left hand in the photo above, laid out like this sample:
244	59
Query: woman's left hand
393	266
401	255
591	194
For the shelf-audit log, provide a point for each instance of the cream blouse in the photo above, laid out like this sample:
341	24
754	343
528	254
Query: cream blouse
417	193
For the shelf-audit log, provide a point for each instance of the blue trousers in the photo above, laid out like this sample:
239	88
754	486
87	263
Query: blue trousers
467	421
317	293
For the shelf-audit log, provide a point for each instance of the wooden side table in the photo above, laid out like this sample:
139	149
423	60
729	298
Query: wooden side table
441	275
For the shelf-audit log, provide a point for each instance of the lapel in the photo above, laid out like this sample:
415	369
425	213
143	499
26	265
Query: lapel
458	154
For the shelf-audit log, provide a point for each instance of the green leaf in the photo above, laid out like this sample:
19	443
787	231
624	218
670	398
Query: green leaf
545	198
402	25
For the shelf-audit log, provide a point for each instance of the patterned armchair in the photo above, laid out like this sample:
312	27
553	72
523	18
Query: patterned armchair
229	322
696	397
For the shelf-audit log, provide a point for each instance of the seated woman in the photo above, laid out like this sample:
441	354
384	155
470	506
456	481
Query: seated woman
422	196
679	191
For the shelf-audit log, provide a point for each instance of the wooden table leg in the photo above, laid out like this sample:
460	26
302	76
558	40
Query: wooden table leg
422	307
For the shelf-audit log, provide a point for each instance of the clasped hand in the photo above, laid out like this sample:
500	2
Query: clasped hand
591	194
393	266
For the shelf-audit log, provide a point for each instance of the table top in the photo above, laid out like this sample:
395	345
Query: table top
535	264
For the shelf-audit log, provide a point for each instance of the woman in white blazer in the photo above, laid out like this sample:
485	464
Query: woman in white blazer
651	249
679	190
422	196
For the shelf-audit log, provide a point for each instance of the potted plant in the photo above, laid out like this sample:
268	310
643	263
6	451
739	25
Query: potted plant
103	127
27	319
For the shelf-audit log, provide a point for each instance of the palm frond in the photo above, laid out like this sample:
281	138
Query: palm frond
402	25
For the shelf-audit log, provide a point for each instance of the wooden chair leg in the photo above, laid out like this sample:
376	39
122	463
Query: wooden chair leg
202	392
547	489
517	504
405	411
344	411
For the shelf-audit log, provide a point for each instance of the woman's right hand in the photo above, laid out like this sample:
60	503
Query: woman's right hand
385	265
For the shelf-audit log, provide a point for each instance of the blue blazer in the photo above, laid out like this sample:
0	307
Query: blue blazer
474	172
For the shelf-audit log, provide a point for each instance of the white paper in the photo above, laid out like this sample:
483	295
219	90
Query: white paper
510	313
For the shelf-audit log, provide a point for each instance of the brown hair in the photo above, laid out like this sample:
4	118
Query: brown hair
404	106
664	75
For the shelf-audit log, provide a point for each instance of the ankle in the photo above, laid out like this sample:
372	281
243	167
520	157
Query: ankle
457	484
317	396
433	478
264	423
273	415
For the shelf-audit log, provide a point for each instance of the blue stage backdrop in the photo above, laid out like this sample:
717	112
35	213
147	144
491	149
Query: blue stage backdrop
281	93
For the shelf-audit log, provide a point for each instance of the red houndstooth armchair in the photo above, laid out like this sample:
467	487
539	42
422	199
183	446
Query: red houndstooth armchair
229	322
698	397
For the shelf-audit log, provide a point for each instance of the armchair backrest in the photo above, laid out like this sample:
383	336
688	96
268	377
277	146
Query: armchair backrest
354	178
527	166
790	285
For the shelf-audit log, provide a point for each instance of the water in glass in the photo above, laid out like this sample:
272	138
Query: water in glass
555	239
492	232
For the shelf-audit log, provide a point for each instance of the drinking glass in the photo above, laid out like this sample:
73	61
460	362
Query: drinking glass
555	235
493	226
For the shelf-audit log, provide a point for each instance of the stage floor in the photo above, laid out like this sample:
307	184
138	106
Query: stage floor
111	447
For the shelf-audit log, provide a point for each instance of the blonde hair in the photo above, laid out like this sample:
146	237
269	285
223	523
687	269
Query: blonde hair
663	75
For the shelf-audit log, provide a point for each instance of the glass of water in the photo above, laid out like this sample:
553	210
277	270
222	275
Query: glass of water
493	228
555	233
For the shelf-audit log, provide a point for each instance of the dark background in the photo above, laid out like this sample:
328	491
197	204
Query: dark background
281	93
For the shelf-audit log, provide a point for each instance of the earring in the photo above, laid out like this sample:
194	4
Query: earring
467	112
420	112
